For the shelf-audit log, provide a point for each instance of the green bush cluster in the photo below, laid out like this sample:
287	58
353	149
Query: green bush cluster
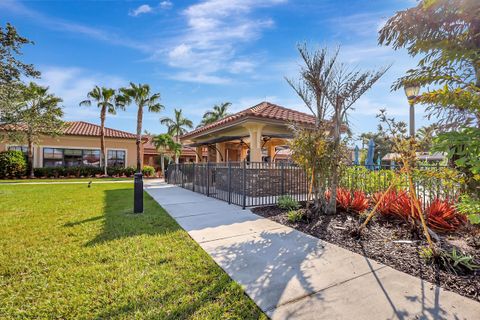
287	203
81	171
12	164
148	171
369	181
76	171
119	171
294	216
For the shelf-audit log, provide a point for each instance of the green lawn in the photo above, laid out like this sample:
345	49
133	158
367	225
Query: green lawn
63	180
68	251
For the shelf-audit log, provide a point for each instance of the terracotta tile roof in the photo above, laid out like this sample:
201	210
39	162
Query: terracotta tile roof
149	148
81	128
263	110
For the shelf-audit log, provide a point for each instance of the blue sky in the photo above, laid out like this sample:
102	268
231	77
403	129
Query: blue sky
199	53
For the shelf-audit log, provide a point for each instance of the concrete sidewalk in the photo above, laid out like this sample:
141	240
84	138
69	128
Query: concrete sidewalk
291	275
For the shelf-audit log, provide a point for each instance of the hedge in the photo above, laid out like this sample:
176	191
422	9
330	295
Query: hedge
12	164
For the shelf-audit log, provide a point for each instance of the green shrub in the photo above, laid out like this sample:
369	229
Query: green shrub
12	164
76	171
469	207
129	171
148	171
287	203
294	216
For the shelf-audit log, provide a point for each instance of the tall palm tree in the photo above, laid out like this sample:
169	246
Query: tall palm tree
218	112
178	125
141	96
165	144
40	113
108	102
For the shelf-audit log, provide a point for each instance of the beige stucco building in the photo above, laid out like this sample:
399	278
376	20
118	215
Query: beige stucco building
80	145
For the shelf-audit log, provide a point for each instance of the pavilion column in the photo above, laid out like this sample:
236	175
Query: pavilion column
221	155
271	150
255	132
197	153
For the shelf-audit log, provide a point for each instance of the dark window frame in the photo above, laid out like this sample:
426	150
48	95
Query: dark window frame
60	161
23	149
117	161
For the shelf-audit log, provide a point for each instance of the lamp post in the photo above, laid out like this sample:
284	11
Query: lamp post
411	91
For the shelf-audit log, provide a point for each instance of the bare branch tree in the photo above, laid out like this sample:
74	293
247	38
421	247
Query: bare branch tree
345	87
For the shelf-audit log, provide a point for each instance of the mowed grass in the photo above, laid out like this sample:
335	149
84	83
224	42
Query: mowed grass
68	251
43	180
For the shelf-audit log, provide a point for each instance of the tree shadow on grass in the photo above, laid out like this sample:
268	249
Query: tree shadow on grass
119	221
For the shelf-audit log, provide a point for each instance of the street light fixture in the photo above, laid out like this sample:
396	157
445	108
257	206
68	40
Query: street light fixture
411	91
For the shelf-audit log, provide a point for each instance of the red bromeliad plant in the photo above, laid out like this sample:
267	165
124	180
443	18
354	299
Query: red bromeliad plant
443	217
357	202
360	202
395	204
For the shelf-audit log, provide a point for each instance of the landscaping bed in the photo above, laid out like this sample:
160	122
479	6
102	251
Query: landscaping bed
392	243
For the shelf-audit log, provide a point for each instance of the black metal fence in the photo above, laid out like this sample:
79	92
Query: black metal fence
260	183
241	183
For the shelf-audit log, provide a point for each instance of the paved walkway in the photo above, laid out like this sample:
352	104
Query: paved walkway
291	275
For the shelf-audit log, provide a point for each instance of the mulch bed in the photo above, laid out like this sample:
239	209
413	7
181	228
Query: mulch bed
377	243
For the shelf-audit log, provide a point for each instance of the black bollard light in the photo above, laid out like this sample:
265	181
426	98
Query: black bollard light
138	193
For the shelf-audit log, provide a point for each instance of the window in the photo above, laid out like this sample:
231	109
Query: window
24	149
91	158
72	157
52	157
56	157
116	158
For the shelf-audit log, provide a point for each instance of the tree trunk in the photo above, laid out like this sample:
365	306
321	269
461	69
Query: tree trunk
162	164
139	137
332	205
30	157
175	155
103	158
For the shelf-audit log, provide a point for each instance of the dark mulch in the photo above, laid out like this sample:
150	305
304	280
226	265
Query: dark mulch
377	243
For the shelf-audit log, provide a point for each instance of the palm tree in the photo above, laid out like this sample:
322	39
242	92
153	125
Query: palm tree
108	102
178	125
140	95
165	143
219	112
39	112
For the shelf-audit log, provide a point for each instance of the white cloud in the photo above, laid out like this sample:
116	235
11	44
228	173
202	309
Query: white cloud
144	8
72	85
214	33
166	4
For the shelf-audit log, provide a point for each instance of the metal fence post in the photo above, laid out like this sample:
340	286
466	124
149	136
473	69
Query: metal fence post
229	182
244	187
208	179
282	178
193	178
183	175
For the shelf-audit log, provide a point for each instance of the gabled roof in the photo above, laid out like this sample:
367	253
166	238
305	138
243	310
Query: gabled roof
80	128
264	110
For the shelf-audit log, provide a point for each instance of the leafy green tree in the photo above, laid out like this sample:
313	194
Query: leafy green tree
108	102
38	114
218	112
166	145
177	125
140	95
425	137
446	34
12	68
